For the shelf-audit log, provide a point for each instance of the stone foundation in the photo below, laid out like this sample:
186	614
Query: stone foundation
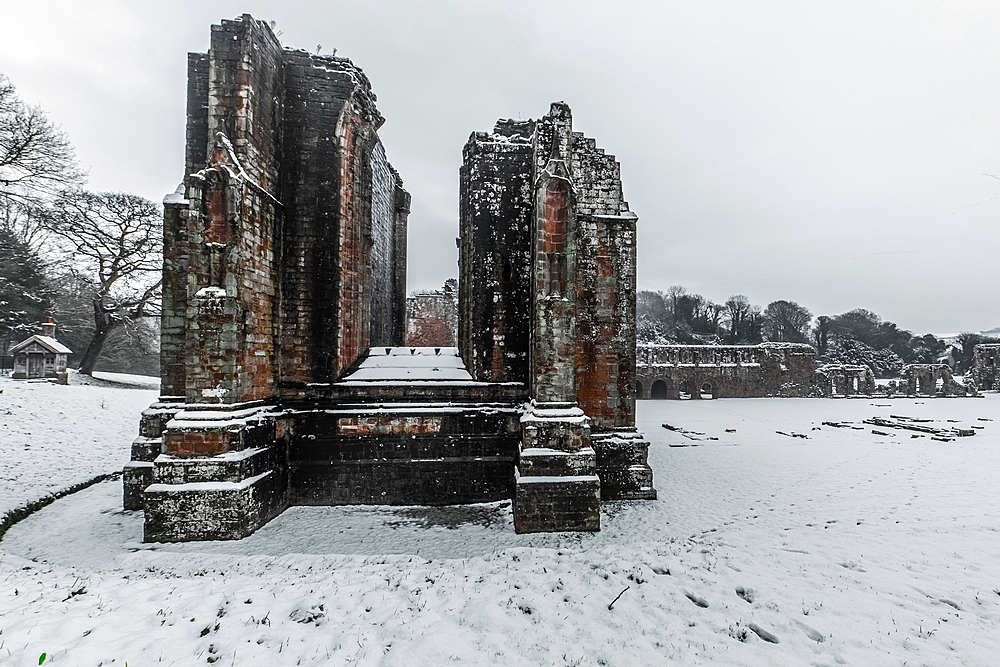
557	486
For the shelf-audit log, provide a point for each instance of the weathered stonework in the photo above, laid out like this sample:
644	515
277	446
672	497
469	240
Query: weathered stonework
547	298
432	317
932	380
846	380
284	261
986	366
726	371
284	377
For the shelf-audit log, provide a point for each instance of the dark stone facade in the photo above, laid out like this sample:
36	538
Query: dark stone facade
284	378
547	299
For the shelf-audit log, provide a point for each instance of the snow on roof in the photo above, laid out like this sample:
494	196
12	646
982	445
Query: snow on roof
45	341
388	364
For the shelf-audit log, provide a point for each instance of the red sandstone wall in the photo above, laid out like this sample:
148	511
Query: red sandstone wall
289	236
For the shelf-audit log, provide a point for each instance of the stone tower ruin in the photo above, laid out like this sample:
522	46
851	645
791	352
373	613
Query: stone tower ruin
547	298
284	376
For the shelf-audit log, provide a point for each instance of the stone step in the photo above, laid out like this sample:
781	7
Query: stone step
548	504
543	461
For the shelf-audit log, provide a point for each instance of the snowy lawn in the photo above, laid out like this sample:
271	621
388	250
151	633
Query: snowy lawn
53	436
764	549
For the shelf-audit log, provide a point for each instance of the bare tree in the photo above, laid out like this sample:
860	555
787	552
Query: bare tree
115	242
36	159
743	321
821	334
786	322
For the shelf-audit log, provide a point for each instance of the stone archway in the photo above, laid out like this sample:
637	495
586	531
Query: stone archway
708	388
658	390
690	387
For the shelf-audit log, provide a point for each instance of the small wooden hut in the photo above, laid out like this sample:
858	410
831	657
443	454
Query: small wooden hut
40	356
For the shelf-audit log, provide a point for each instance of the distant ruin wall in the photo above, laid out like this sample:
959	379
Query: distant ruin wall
432	318
931	380
726	371
846	380
775	369
986	366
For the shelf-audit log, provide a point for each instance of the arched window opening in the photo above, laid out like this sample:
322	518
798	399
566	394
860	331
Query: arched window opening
554	233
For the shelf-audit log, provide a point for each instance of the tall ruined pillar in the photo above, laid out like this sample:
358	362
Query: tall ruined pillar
284	261
547	265
208	463
557	487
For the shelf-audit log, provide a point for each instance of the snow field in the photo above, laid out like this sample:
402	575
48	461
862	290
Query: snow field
845	547
53	436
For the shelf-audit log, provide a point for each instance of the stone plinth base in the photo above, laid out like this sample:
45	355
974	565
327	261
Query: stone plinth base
212	510
556	487
136	476
138	473
220	476
622	465
552	504
403	454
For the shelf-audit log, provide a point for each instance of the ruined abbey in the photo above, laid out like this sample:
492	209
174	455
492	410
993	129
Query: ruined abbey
286	379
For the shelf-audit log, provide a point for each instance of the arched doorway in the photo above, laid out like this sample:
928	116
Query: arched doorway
658	390
708	390
689	389
638	389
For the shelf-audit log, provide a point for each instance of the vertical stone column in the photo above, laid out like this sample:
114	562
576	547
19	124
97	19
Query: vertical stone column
212	456
557	487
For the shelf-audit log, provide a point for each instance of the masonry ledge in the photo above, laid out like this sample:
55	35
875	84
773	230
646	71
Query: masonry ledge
548	451
520	479
207	486
237	455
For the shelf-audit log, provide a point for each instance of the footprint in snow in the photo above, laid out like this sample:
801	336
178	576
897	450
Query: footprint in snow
811	633
762	633
701	602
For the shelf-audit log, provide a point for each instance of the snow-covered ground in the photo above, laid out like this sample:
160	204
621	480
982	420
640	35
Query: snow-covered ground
53	436
845	547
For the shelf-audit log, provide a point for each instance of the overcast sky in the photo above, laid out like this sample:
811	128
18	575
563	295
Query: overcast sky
830	153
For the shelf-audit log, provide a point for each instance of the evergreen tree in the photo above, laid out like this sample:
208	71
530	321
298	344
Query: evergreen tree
25	295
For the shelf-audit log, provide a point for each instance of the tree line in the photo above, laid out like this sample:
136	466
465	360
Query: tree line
90	260
858	336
